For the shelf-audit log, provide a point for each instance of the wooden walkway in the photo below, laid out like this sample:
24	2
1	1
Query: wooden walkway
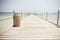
33	28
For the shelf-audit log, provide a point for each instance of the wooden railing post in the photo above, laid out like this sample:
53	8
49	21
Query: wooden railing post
13	12
58	18
42	15
46	15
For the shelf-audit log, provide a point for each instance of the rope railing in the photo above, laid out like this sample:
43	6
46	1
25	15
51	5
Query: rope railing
51	17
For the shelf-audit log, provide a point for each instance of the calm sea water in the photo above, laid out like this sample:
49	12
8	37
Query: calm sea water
23	15
6	13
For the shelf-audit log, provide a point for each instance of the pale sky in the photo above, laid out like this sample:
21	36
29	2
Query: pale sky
30	5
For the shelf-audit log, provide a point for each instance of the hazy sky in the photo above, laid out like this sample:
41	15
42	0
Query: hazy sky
30	5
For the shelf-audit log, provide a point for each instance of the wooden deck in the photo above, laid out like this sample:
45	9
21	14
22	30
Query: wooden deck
33	28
